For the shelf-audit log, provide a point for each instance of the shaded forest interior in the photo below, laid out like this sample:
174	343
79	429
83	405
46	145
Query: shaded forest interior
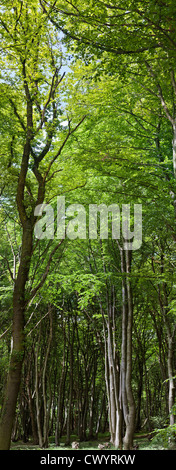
64	393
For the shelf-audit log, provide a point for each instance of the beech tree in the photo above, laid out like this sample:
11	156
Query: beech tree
31	66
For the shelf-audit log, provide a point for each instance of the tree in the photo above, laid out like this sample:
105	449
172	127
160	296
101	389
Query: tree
34	71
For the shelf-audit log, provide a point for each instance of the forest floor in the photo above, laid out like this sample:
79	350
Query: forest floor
140	442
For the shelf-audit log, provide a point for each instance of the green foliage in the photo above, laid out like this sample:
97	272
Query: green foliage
165	436
102	133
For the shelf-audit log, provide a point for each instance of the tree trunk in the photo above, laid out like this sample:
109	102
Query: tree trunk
37	391
17	355
163	300
112	385
69	414
174	148
47	411
92	398
130	417
126	350
60	396
139	394
171	380
29	365
32	417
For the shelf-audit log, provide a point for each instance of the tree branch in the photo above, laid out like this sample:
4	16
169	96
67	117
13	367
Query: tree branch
26	151
70	132
160	93
97	45
53	87
8	266
38	323
45	274
6	331
17	114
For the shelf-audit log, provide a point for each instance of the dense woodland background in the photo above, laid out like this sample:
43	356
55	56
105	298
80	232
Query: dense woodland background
87	111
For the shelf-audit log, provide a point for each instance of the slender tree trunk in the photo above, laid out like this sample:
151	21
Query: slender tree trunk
32	417
112	385
92	398
174	148
30	401
60	397
69	414
79	391
130	418
126	350
47	411
85	407
171	380
39	428
140	388
163	300
124	338
60	407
